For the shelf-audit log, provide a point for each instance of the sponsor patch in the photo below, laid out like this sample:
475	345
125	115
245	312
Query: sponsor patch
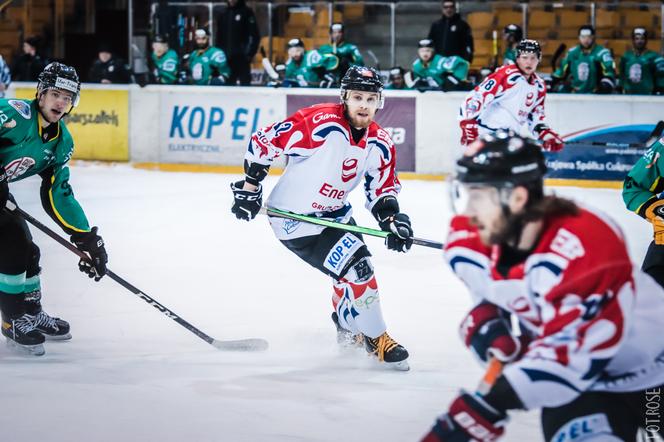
584	427
22	108
66	84
341	252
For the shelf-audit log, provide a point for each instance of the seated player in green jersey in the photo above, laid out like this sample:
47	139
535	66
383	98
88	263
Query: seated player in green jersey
397	79
308	68
348	53
586	68
207	64
164	62
432	71
512	35
35	141
641	70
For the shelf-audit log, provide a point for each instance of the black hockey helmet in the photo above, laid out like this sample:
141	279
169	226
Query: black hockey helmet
361	78
295	43
514	30
586	30
502	159
529	47
160	38
425	43
59	76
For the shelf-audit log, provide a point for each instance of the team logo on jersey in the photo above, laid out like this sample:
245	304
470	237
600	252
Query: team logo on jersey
18	167
529	99
348	169
22	108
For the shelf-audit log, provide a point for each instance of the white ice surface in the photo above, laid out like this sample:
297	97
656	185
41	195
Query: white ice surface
132	374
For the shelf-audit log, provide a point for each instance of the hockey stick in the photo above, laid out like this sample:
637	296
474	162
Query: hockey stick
556	55
267	65
250	344
493	371
341	226
654	136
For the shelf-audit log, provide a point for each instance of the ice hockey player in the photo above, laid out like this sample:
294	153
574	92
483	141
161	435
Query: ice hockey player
308	68
643	193
435	72
35	141
397	79
207	64
511	98
512	35
165	62
590	355
348	53
586	68
331	148
641	70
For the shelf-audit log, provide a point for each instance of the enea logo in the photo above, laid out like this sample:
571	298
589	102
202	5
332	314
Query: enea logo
348	169
200	122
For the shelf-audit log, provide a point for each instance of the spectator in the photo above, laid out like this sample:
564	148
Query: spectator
108	68
586	68
397	79
308	68
347	53
164	61
5	77
29	64
433	72
207	64
451	34
641	70
512	35
238	37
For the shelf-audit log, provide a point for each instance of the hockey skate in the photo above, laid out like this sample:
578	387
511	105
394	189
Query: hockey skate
388	351
345	338
53	329
22	334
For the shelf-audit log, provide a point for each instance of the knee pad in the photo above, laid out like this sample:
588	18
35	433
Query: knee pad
592	427
359	270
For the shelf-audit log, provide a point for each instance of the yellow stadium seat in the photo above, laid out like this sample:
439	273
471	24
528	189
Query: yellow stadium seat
354	13
539	19
617	46
634	18
570	21
480	20
507	16
300	19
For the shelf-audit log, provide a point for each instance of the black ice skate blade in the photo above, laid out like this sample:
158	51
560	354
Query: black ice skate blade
66	337
27	350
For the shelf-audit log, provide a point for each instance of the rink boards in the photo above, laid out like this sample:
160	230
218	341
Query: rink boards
211	126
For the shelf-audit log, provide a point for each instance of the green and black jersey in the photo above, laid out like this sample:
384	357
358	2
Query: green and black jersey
645	181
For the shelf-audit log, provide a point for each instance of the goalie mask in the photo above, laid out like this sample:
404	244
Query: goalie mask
61	77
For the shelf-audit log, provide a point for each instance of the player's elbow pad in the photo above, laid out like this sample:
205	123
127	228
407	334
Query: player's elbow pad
255	173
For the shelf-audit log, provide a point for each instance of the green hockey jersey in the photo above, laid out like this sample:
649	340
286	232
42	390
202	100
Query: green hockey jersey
509	56
165	68
310	70
26	151
645	181
582	70
435	71
205	67
345	51
641	73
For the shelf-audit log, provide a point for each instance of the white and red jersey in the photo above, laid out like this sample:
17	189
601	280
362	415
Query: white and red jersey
506	99
325	164
595	318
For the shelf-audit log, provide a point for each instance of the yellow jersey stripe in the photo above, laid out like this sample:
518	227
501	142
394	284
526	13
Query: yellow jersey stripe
57	214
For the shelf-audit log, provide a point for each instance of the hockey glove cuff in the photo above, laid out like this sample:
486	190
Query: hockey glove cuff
486	332
551	141
655	214
93	245
469	131
247	203
469	418
4	188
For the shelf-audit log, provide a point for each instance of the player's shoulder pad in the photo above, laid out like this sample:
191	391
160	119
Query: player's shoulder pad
376	131
323	112
65	147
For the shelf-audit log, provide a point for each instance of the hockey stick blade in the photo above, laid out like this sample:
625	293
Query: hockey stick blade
249	344
269	69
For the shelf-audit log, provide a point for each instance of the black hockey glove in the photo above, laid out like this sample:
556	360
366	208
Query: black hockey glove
4	188
247	202
386	211
93	245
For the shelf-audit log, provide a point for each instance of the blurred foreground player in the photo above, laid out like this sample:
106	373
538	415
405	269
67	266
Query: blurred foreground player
34	140
331	148
590	356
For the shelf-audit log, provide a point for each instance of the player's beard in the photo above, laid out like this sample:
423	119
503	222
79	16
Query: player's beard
359	122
